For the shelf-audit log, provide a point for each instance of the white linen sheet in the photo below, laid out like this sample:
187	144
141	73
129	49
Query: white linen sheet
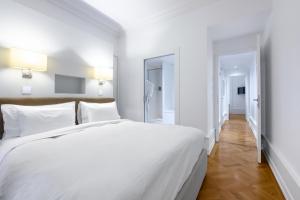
110	160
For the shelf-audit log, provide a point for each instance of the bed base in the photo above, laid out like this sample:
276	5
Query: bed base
192	185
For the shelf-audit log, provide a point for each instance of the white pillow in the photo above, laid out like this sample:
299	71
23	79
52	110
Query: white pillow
10	120
37	121
10	115
94	112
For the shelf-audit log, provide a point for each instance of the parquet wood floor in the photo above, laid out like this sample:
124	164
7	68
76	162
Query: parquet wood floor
233	173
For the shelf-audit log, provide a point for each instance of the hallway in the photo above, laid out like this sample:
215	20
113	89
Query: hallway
233	172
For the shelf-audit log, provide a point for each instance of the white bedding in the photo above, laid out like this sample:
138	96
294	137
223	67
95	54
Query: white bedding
109	160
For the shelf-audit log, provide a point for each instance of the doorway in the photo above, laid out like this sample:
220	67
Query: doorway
159	89
238	94
234	72
237	103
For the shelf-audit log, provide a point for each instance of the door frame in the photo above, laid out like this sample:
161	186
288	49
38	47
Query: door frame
216	93
176	53
216	86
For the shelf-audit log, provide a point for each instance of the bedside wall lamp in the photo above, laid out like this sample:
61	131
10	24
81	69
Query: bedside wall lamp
103	75
27	61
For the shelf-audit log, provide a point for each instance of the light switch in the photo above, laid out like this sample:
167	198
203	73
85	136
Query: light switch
26	90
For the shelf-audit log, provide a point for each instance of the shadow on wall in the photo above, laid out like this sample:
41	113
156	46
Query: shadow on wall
267	72
66	62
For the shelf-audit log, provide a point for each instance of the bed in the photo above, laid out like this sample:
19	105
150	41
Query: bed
114	159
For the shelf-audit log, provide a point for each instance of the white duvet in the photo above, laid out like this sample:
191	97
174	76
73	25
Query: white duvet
109	160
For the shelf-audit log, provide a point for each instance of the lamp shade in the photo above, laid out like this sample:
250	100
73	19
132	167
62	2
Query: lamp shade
104	74
23	59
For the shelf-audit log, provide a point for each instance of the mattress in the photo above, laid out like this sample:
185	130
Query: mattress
118	159
192	185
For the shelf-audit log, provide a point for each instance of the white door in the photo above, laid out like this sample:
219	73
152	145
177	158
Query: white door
258	100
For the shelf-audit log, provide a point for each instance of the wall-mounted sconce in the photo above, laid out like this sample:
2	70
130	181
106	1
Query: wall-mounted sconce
103	74
27	61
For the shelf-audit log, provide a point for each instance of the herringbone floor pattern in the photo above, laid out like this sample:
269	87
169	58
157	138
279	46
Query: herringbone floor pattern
233	173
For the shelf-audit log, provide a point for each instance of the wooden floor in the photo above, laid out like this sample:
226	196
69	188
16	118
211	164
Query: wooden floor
233	172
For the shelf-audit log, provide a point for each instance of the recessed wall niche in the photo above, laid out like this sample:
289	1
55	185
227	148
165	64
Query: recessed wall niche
69	84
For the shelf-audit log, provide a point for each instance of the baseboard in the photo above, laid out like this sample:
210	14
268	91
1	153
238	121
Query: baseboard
252	125
285	175
218	131
226	117
210	141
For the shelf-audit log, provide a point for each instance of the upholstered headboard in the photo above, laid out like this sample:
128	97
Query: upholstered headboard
45	101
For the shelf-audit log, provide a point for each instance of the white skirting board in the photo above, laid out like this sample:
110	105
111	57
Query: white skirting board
286	176
252	125
210	141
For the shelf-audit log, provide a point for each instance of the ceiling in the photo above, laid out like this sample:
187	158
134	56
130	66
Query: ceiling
130	13
238	63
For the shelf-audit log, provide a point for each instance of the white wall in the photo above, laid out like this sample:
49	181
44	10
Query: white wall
237	102
210	84
281	52
71	50
223	97
211	128
188	33
236	45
